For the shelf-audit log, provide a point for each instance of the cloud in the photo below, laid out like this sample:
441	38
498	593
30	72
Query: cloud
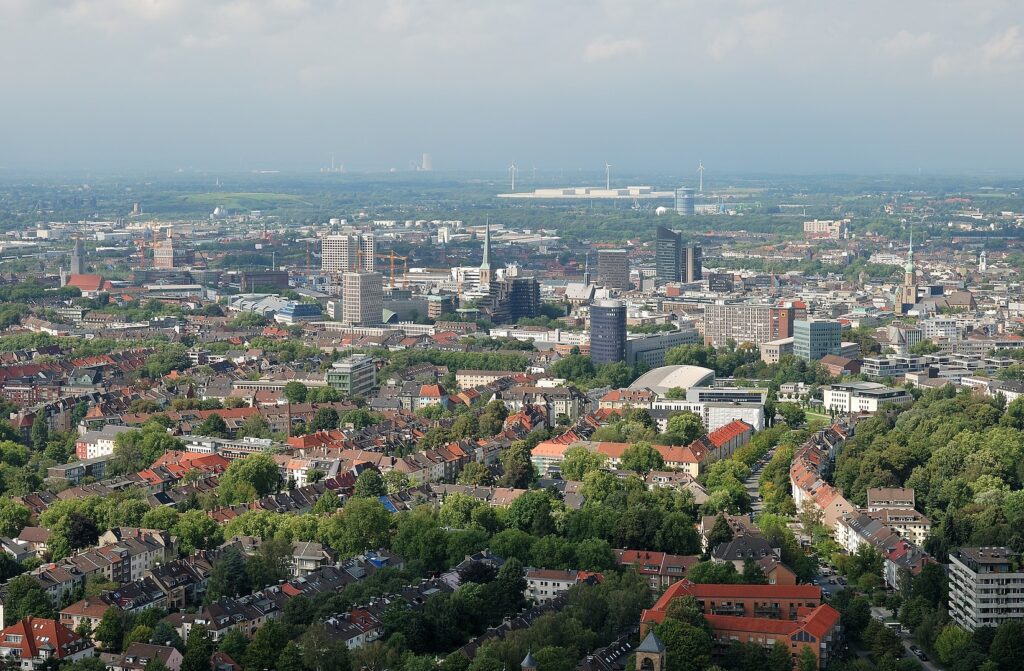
755	31
906	42
607	48
1002	53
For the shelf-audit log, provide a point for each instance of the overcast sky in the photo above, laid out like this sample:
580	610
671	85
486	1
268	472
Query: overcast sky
791	86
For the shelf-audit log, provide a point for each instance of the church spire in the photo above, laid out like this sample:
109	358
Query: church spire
487	245
485	265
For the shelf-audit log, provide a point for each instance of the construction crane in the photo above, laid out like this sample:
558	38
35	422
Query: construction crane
391	257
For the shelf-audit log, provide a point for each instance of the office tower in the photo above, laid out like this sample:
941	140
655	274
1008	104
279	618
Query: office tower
355	375
341	253
676	261
815	338
686	201
77	256
608	331
613	268
167	254
362	298
426	163
485	263
746	323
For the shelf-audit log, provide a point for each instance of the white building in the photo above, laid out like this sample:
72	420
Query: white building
362	298
862	397
986	586
343	253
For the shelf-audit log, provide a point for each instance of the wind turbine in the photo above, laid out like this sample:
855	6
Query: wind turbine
607	176
700	172
512	170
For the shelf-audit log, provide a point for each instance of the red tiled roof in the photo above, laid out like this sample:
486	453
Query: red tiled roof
36	633
724	434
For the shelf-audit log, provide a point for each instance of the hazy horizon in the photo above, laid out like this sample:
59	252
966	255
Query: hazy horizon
747	87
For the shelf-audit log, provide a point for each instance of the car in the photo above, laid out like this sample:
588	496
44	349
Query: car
842	580
814	582
921	656
832	581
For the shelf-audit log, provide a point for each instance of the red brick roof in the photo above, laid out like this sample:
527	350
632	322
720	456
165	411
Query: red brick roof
724	434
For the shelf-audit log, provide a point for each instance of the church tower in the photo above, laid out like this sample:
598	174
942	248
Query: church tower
906	297
650	656
528	663
485	267
77	254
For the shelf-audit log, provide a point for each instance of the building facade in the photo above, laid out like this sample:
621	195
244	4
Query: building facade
613	268
676	261
350	252
354	376
608	331
362	301
816	338
986	586
746	323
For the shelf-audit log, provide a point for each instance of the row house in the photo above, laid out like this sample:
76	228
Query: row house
659	568
437	465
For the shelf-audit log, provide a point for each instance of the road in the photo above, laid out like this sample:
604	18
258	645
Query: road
885	615
752	484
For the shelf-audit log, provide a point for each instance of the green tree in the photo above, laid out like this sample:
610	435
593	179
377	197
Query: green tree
687	648
110	631
198	650
25	597
254	427
1006	650
196	531
13	517
161	517
295	392
213	426
578	461
266	646
641	458
369	484
720	533
229	575
247	479
792	414
807	660
474	473
683	428
517	465
752	573
325	419
951	643
40	432
710	572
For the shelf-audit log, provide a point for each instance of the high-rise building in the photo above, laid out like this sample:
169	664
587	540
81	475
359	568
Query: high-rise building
608	331
746	323
510	299
362	298
815	338
426	163
77	257
676	261
686	201
168	254
341	253
613	268
985	586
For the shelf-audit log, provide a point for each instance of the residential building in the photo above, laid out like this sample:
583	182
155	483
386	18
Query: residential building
816	338
608	331
543	585
308	557
138	655
613	268
354	376
882	498
99	443
986	586
660	569
746	323
37	643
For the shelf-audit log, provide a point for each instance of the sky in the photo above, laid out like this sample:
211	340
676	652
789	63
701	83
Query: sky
793	86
